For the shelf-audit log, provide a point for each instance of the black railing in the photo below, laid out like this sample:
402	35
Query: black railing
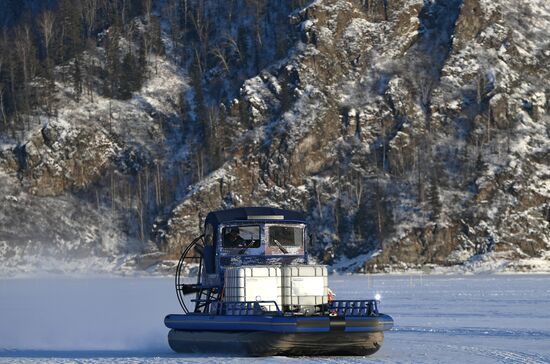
244	308
342	308
353	308
250	308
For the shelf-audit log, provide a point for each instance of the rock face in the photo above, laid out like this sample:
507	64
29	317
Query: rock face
411	132
417	133
51	160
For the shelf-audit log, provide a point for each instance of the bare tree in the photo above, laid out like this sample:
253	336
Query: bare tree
232	43
2	55
140	208
357	187
124	2
170	12
4	118
24	49
46	23
8	42
489	125
259	7
2	87
317	191
379	205
212	114
23	45
201	23
219	53
200	164
89	79
113	192
158	182
89	13
198	62
148	8
129	33
419	174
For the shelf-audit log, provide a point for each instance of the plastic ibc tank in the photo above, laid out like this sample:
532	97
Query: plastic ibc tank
253	283
304	285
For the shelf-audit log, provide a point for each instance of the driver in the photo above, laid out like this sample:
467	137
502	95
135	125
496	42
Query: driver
233	239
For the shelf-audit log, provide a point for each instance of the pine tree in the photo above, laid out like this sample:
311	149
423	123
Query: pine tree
77	79
156	36
242	43
433	198
142	61
196	82
129	80
112	64
71	29
11	76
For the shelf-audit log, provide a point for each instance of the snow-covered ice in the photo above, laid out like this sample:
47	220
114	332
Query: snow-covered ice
439	319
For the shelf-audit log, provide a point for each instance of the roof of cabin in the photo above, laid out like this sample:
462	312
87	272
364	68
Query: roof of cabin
254	213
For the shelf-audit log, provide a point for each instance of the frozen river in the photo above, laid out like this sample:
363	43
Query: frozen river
439	319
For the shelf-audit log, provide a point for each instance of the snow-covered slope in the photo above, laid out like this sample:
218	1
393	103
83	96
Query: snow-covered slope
75	185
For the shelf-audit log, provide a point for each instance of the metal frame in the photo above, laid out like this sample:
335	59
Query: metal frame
204	295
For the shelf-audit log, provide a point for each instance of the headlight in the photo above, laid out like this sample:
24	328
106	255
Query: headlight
377	297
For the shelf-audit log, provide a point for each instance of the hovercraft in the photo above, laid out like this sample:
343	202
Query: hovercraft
258	294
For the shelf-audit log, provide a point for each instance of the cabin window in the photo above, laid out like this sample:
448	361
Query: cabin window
241	236
286	236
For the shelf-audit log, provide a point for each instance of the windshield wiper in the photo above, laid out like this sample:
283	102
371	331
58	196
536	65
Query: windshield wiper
280	246
245	248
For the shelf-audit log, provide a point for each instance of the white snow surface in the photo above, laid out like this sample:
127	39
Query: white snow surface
439	319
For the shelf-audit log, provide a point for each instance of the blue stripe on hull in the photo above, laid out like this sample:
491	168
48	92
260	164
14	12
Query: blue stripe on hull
287	324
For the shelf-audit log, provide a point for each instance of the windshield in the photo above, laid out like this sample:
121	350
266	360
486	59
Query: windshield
241	236
284	237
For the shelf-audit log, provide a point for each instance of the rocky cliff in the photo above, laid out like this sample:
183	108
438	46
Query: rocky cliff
416	133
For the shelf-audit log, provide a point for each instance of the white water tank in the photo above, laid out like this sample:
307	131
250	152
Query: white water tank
253	283
304	285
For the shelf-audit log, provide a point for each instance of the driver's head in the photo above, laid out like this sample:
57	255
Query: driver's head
234	231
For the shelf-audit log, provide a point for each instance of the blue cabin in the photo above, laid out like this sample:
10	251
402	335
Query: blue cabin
253	235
